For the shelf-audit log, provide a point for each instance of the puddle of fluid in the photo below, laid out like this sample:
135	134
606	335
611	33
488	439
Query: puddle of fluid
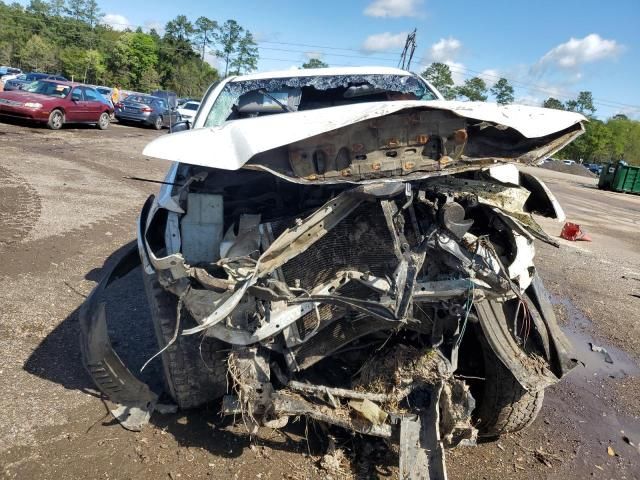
593	363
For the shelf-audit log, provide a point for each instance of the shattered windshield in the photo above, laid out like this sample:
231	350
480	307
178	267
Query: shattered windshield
252	98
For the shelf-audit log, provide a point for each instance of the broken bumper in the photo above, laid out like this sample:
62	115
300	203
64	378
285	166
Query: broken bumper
134	401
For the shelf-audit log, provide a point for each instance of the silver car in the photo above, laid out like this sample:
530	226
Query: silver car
146	110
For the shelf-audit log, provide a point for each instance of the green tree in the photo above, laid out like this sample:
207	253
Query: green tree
38	54
39	7
76	9
141	53
246	58
191	78
439	75
92	12
474	89
56	7
179	29
149	80
553	103
593	145
314	63
503	92
228	39
205	29
6	53
583	104
83	65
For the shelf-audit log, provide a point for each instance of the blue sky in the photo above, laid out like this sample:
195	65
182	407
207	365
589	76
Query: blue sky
545	48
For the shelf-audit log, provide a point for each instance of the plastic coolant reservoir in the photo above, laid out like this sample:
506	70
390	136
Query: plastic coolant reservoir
201	228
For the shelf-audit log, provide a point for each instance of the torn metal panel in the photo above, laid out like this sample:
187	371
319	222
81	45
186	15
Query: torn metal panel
133	398
235	143
421	449
531	371
563	358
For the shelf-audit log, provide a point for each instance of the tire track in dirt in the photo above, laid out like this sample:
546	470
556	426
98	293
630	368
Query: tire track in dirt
20	207
36	256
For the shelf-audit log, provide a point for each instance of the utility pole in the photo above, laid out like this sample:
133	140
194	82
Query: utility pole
407	52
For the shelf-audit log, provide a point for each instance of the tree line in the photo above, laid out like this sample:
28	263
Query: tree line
617	138
473	89
68	37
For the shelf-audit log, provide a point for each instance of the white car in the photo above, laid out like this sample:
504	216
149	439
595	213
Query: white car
8	73
188	110
336	243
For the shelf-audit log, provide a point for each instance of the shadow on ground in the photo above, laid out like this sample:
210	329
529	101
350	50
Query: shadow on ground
58	359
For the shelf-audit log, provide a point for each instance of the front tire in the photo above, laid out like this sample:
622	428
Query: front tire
56	120
103	121
195	367
505	406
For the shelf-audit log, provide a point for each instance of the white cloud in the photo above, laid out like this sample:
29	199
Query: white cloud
490	76
445	49
154	25
213	60
263	36
393	8
579	51
529	99
310	55
116	21
457	71
384	41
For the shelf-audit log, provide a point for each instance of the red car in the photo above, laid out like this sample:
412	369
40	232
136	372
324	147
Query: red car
56	103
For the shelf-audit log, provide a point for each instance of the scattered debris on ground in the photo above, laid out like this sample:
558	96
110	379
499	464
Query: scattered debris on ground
603	351
573	232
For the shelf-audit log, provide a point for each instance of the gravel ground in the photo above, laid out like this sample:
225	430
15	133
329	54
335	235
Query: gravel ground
66	211
574	169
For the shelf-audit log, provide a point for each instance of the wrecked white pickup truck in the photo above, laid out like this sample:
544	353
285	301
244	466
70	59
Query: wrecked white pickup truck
345	245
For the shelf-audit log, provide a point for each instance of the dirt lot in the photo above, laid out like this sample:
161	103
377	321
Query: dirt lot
66	211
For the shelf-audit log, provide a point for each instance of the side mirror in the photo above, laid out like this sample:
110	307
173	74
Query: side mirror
181	126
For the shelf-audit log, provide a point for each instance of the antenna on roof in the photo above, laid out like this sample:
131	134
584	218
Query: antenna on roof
407	52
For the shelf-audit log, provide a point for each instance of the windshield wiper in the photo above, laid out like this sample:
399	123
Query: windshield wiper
280	104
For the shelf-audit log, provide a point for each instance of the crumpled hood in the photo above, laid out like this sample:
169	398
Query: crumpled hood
234	143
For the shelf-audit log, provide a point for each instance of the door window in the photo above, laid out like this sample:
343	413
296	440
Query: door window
91	95
76	95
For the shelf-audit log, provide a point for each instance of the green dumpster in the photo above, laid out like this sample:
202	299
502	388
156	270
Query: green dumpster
620	177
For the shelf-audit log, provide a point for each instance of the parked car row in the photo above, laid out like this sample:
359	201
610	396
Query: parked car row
8	73
54	101
24	79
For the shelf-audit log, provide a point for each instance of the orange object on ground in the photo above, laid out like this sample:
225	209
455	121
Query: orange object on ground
573	232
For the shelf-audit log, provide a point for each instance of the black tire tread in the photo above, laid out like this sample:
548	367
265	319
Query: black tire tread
506	406
192	379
